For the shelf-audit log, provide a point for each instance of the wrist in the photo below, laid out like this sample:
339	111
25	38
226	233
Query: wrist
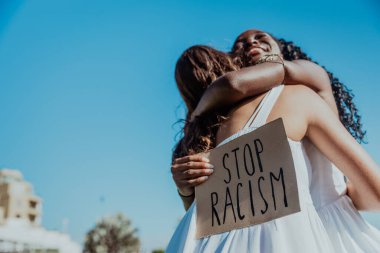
186	193
274	59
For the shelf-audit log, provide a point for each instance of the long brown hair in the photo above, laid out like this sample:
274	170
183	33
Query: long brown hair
199	66
195	70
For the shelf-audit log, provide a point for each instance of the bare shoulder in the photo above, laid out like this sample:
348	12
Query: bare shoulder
306	62
298	95
298	90
294	106
302	102
310	65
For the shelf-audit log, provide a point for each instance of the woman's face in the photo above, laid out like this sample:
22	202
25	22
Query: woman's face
251	45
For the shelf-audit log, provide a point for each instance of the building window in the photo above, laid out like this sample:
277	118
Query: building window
32	217
32	204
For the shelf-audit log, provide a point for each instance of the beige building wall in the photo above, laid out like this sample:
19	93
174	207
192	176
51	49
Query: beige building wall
17	198
2	215
20	215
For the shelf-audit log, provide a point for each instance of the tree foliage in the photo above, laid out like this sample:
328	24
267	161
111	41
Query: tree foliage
112	234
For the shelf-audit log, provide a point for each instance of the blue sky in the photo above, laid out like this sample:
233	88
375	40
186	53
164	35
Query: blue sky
88	100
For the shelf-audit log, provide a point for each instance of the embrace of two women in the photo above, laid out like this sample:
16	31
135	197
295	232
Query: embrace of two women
264	78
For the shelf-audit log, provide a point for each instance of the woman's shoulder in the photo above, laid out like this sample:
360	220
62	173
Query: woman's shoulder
294	108
309	66
298	90
300	102
296	97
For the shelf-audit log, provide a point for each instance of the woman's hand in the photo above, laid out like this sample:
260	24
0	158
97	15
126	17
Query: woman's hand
190	171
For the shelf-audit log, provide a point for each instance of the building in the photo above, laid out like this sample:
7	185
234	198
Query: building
17	200
20	220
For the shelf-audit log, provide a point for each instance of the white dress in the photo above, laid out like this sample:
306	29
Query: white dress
296	233
347	229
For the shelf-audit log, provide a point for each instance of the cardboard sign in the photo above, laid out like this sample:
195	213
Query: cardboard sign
254	181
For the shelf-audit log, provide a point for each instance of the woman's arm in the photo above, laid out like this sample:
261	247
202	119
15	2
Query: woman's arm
237	85
330	136
251	81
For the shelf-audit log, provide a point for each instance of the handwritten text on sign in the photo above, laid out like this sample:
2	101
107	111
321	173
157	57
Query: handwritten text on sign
254	181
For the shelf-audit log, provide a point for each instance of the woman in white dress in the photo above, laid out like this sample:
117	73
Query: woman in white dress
301	127
348	231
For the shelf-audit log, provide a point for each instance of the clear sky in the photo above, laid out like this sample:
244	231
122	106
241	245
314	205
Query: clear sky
88	100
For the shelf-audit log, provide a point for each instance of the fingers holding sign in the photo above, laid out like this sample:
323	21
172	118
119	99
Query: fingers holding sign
190	171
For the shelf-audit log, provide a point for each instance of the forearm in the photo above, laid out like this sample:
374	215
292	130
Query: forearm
240	84
186	197
254	80
360	169
329	135
363	185
187	201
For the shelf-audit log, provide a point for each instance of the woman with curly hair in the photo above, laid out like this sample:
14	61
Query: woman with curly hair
328	190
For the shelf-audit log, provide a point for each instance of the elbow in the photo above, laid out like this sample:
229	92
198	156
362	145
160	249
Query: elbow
373	207
324	83
233	85
375	199
371	202
377	202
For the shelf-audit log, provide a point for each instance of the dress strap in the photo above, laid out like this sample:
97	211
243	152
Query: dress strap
267	106
257	110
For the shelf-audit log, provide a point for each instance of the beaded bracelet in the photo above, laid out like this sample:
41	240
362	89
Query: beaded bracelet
275	58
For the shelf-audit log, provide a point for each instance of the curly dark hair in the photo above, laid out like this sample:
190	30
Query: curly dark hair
348	112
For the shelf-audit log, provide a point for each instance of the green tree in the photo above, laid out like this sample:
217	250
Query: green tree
112	234
158	251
